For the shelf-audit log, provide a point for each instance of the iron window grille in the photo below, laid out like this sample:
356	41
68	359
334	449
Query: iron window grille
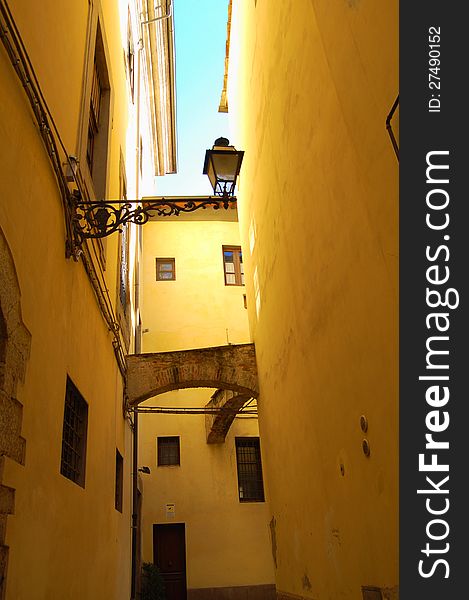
233	265
168	451
119	481
165	269
74	435
248	459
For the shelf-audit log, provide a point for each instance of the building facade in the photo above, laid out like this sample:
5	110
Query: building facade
160	319
87	114
311	85
205	499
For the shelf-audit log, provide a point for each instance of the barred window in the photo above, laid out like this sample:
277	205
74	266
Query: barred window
168	451
248	458
74	435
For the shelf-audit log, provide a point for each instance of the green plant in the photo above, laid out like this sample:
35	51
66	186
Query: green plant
152	583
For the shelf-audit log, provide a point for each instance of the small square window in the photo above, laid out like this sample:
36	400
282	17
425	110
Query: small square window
165	269
248	459
74	432
119	481
371	593
168	451
233	265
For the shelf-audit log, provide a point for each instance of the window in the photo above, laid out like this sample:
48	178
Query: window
74	435
98	121
124	295
130	56
124	269
168	451
248	458
140	157
119	481
123	304
165	269
233	265
95	105
93	142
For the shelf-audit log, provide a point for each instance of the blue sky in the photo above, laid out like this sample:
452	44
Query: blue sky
200	37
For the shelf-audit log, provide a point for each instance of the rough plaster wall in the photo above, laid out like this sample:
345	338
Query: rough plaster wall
227	541
14	350
318	214
68	336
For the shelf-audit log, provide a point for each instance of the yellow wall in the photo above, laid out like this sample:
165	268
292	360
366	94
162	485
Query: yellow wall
227	542
65	541
198	308
311	84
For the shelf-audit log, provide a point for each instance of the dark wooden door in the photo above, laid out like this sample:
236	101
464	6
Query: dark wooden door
169	554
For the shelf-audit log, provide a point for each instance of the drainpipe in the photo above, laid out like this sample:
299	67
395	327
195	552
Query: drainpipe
166	16
133	593
138	160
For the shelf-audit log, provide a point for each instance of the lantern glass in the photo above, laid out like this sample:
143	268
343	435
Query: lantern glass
225	165
222	165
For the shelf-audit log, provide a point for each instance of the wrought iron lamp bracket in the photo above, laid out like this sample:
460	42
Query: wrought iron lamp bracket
98	219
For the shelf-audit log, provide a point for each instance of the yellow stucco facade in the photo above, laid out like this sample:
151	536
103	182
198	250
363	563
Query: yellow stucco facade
63	536
311	84
227	541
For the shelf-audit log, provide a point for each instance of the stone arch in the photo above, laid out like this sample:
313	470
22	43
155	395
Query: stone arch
231	367
217	426
15	341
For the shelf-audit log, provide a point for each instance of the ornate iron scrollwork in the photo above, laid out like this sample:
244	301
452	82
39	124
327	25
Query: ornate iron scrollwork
98	219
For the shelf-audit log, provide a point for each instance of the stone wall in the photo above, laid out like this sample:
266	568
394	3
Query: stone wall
14	351
230	367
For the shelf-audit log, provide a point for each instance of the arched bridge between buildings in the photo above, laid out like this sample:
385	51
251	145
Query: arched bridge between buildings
231	367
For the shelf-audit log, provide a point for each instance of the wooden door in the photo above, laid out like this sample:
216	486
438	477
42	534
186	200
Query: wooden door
169	554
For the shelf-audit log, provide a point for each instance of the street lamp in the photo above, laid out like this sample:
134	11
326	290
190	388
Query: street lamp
222	165
100	218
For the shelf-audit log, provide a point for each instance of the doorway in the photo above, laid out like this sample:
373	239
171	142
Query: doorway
169	555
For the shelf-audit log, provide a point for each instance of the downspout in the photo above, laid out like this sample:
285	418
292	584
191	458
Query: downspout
138	162
133	582
133	592
161	18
